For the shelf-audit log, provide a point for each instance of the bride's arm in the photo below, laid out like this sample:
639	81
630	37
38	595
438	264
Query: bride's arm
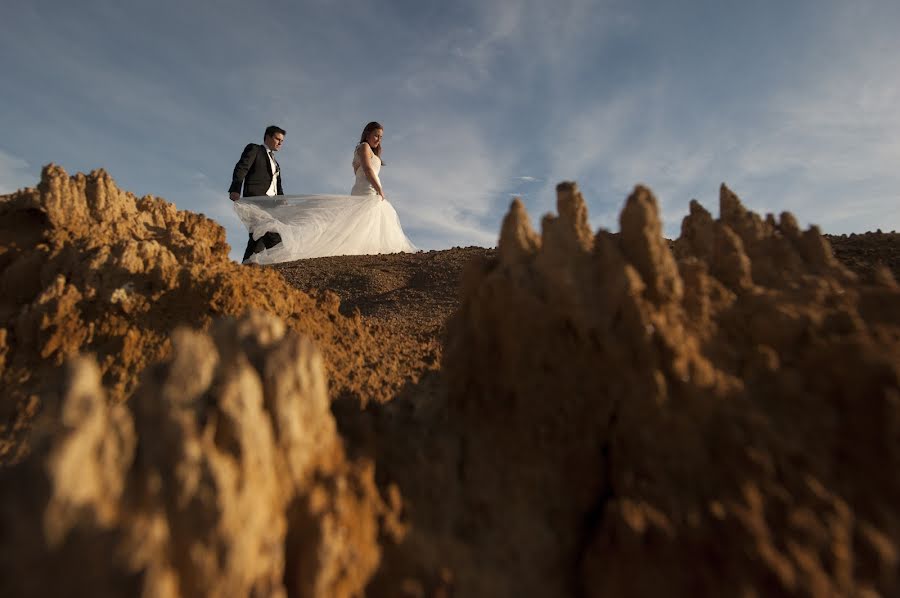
365	157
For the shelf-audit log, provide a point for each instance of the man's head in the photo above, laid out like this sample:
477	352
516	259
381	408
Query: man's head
274	137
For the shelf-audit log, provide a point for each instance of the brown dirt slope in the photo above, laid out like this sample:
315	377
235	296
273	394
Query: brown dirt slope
416	293
413	294
88	268
865	253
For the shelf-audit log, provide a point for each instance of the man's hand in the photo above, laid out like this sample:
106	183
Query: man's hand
234	196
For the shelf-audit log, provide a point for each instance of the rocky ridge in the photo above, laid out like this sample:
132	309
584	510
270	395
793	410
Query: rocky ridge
602	414
88	268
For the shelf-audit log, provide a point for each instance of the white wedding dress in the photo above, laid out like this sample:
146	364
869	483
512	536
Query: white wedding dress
361	223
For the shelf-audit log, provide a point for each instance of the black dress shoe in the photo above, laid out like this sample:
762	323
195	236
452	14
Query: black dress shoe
267	241
270	240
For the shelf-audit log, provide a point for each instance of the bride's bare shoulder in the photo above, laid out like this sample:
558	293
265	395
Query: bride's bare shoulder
364	153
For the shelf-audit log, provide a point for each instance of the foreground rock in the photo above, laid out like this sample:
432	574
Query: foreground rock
622	419
223	476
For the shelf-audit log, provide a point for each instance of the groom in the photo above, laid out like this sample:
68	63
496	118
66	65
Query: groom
259	173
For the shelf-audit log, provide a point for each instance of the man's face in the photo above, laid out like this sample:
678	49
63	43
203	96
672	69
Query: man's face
273	142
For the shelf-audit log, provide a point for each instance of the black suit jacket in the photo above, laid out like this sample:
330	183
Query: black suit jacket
254	172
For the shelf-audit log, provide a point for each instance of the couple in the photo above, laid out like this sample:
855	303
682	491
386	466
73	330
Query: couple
291	227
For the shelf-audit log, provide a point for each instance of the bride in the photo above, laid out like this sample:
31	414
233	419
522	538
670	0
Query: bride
362	223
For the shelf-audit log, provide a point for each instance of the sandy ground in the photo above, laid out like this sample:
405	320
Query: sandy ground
415	293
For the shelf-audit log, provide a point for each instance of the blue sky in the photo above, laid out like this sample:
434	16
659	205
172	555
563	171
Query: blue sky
796	106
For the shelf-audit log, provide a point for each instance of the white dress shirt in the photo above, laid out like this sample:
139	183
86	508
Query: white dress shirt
273	187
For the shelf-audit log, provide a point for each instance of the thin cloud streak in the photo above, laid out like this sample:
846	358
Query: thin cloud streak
14	173
480	101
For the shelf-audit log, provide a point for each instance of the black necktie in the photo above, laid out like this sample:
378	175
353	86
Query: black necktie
277	168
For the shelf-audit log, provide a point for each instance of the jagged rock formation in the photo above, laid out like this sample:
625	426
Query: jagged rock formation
723	419
616	414
88	268
223	476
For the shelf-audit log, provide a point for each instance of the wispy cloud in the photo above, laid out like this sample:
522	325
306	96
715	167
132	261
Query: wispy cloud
451	185
833	137
821	140
15	173
462	58
794	109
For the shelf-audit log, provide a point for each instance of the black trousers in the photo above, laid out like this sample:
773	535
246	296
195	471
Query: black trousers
267	241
